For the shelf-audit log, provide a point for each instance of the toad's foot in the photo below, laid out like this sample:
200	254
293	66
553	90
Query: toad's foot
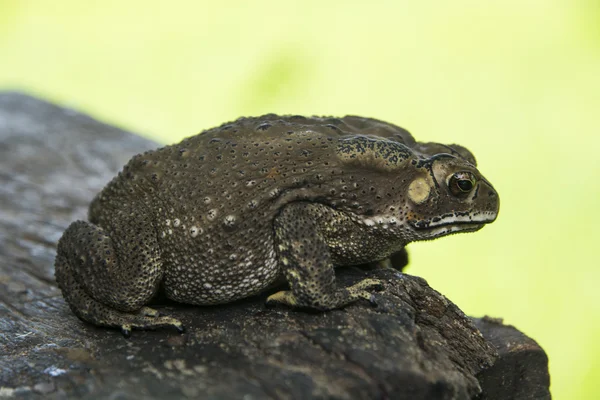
362	289
340	298
148	318
144	318
148	312
143	322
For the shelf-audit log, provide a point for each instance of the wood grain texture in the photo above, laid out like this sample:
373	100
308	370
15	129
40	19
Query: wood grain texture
415	344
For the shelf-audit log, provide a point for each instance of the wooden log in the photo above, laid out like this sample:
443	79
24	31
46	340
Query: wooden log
415	344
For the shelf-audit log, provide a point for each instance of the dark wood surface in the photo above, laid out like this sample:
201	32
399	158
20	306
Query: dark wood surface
415	344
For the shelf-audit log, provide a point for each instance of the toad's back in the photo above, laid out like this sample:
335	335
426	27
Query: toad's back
251	163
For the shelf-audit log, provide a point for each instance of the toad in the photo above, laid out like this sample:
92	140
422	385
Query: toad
224	214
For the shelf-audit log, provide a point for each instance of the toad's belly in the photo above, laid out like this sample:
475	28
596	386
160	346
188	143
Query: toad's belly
202	282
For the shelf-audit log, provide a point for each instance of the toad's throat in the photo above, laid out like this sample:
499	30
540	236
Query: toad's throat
455	219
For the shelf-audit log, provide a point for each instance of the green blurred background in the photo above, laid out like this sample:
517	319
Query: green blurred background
516	81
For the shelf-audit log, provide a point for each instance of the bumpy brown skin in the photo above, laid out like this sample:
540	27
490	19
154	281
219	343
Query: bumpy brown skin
224	214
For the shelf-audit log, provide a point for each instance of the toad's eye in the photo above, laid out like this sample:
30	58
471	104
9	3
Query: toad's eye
461	183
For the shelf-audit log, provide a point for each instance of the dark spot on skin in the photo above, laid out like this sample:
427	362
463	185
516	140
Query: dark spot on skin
263	127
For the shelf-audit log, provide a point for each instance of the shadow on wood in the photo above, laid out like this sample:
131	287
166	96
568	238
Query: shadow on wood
415	344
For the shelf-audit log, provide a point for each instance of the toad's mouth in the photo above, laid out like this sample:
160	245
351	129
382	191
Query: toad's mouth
461	221
445	230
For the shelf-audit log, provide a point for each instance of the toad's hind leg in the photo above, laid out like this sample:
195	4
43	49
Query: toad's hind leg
305	258
107	282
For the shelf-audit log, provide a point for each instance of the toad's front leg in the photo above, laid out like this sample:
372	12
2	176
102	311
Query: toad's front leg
306	260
